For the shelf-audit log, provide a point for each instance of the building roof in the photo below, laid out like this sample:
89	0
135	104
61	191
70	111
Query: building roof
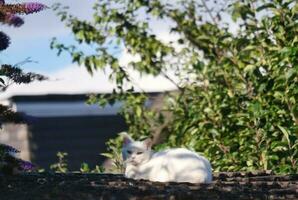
76	80
63	105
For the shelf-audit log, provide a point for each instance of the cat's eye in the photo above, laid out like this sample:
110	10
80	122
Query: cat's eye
139	152
129	152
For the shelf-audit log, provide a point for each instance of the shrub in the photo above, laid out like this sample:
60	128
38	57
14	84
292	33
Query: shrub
236	99
13	74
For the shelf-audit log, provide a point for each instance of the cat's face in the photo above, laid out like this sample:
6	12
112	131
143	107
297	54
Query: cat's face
135	152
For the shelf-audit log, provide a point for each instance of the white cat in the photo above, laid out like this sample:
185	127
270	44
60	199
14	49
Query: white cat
177	165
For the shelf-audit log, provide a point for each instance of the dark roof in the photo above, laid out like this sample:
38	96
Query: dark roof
50	97
57	97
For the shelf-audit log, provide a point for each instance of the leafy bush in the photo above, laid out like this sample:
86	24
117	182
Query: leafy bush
236	99
61	165
13	74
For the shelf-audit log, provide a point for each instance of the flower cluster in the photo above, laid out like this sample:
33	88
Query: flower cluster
33	7
8	15
11	19
14	20
10	164
26	165
21	8
24	8
4	41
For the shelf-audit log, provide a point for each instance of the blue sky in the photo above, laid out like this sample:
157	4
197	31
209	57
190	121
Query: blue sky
32	40
34	37
38	50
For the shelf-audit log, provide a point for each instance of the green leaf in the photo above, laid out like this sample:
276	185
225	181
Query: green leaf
250	68
286	134
84	168
265	6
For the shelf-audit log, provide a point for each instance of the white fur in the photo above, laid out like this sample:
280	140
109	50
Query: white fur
177	165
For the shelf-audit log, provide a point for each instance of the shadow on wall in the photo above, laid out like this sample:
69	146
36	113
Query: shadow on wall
83	138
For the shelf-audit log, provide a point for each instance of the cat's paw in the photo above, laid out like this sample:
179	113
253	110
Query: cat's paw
130	174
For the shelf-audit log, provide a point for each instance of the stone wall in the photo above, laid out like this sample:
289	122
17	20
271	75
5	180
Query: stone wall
226	186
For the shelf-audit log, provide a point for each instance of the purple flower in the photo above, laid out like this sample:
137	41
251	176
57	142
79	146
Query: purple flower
34	7
14	20
4	41
24	8
26	165
12	162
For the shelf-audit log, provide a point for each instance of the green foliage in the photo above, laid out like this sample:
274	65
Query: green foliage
239	108
12	74
86	169
61	166
114	153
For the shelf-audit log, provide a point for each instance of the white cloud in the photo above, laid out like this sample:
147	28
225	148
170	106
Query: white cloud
76	80
70	80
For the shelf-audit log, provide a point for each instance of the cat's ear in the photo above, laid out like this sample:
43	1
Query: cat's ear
148	143
126	138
